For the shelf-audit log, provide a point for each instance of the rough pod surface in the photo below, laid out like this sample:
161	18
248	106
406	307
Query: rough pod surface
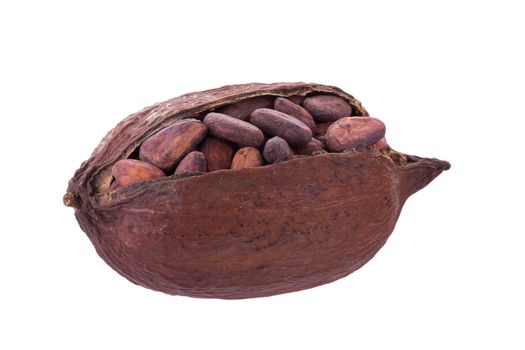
243	233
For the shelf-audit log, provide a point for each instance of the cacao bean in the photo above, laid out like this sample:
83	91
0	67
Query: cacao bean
314	145
167	147
322	127
327	108
218	153
321	138
287	107
381	145
129	171
354	132
242	110
297	99
233	130
247	157
276	123
276	149
194	162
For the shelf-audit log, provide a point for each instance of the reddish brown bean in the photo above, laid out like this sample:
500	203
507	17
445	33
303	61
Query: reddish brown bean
327	108
167	147
381	145
218	153
322	127
314	145
354	132
242	110
129	171
321	138
247	157
276	150
233	130
297	99
276	123
194	162
296	111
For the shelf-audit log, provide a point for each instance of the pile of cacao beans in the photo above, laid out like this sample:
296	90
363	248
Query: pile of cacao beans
251	133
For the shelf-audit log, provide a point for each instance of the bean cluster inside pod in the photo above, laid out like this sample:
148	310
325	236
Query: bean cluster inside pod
254	132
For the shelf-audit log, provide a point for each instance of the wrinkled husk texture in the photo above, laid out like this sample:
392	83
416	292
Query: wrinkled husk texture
244	233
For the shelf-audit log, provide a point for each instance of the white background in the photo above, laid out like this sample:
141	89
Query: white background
447	78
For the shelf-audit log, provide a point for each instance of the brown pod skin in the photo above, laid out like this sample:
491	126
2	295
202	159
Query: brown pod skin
327	108
194	162
287	107
322	128
233	130
166	148
314	145
276	149
276	123
247	157
243	109
218	153
129	171
354	132
250	233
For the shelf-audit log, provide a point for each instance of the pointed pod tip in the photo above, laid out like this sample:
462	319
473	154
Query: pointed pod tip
442	165
414	176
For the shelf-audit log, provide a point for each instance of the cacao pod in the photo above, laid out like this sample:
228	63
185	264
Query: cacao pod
251	232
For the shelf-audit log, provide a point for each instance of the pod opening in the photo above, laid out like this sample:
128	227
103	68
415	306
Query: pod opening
253	132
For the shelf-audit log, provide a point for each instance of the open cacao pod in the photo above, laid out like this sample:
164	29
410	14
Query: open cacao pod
248	232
